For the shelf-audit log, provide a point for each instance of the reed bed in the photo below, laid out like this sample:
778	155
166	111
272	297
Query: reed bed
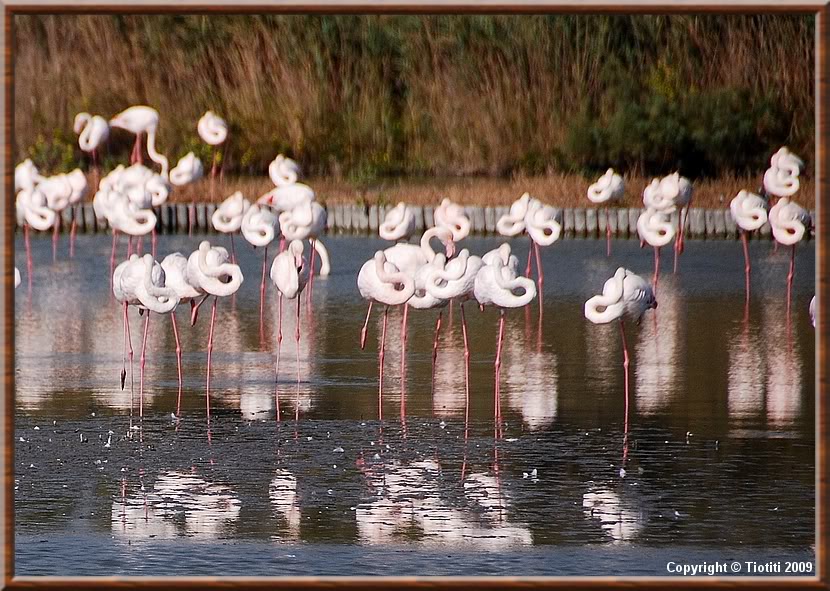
361	98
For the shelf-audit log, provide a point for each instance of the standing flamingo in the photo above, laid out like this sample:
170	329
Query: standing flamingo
381	281
210	272
140	282
399	224
228	217
750	213
789	222
655	228
452	216
139	120
781	178
175	271
289	272
625	294
93	131
608	188
33	211
544	228
214	131
497	283
259	227
307	221
26	176
677	190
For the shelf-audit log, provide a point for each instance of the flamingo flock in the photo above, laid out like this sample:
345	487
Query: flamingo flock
405	274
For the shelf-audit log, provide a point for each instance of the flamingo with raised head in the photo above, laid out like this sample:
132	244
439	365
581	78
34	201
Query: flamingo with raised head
138	120
209	271
790	223
260	227
624	294
497	283
609	188
381	281
140	282
750	213
655	228
290	273
228	217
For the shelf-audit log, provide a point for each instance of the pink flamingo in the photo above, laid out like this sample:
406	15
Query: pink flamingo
750	213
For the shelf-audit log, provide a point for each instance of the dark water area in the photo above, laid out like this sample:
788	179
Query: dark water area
718	465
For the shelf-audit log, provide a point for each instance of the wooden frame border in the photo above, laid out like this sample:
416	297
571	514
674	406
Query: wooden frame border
822	166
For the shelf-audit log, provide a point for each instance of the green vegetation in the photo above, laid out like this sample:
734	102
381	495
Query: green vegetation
364	97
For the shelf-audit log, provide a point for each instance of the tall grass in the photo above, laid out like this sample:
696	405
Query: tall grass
366	96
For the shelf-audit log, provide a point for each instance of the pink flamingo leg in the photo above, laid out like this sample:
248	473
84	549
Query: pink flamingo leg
365	328
656	265
233	251
130	345
55	227
540	277
466	363
435	345
403	362
297	337
209	354
529	256
497	367
213	175
29	265
72	231
143	362
153	243
625	367
311	271
277	363
178	363
790	276
381	354
607	233
191	217
747	265
262	293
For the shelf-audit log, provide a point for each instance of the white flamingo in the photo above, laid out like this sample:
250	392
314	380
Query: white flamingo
228	216
781	178
214	131
381	281
544	228
498	283
624	294
655	228
290	273
138	120
399	224
609	188
790	222
26	176
209	271
93	131
259	227
140	282
307	221
750	213
33	211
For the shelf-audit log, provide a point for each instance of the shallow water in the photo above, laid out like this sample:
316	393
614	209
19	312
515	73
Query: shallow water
720	452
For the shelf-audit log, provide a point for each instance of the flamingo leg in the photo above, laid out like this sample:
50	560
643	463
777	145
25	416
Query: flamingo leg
297	337
262	292
72	231
747	265
130	345
279	337
656	265
153	242
625	367
233	251
143	362
607	233
497	367
381	354
29	264
790	276
529	256
311	270
435	345
403	360
209	355
466	363
55	229
178	362
112	254
213	175
95	170
191	217
540	277
194	308
129	246
365	328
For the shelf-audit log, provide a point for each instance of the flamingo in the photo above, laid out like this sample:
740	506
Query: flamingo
307	221
214	131
624	294
140	282
789	222
61	190
608	188
93	131
667	195
452	216
288	193
750	213
381	281
399	224
655	227
26	176
259	227
33	211
283	171
209	271
289	272
174	266
544	228
138	120
454	279
188	170
497	283
781	178
228	216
